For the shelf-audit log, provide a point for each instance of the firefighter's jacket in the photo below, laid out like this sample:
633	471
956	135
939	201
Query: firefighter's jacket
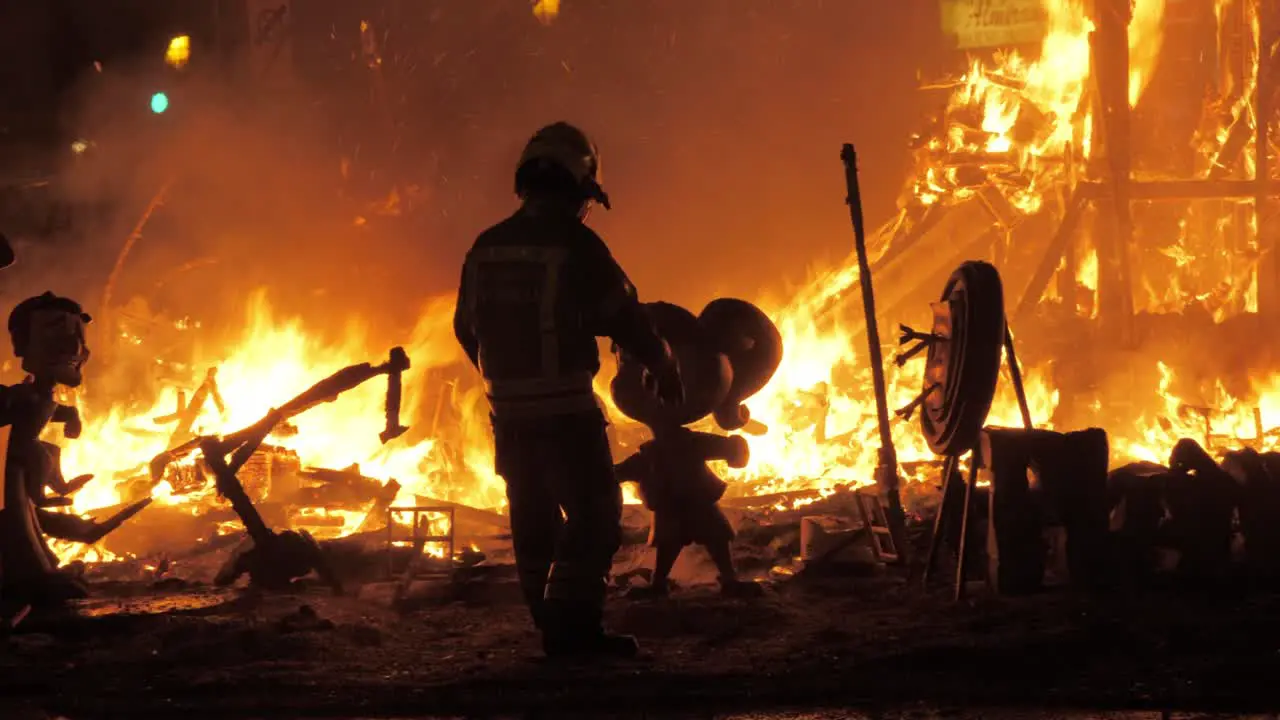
537	290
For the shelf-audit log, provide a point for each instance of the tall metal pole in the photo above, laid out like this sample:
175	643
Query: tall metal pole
887	467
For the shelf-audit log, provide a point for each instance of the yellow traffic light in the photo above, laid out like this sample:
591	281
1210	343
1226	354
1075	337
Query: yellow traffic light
179	51
546	10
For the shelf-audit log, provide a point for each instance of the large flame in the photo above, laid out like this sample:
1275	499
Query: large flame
1023	121
273	360
1030	116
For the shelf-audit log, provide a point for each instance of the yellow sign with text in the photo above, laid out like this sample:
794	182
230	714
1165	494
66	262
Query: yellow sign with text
978	24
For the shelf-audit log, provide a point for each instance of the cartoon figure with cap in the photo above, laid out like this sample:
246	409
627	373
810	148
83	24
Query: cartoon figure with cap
726	354
48	334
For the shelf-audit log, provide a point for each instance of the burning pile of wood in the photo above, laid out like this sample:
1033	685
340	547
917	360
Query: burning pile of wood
264	484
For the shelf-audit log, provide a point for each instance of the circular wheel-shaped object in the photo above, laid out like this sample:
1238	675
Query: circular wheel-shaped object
964	365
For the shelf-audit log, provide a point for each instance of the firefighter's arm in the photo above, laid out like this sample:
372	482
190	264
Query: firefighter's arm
463	324
733	449
615	309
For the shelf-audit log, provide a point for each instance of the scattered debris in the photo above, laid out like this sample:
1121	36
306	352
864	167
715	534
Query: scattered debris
304	620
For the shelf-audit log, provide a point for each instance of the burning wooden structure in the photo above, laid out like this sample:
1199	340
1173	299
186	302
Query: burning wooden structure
1114	216
1041	166
1053	169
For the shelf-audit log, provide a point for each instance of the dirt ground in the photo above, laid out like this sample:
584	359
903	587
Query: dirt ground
871	643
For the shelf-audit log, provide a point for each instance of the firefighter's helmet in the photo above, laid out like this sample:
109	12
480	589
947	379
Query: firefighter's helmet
565	146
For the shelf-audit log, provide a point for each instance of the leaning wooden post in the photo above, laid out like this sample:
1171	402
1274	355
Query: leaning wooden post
1015	374
887	467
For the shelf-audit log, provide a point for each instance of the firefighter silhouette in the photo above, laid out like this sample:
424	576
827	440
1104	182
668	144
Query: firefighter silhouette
536	291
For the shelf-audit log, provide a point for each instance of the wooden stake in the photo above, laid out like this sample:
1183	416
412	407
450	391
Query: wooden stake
887	467
962	558
1015	374
935	541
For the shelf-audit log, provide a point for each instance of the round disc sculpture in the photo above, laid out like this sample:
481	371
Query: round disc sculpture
964	359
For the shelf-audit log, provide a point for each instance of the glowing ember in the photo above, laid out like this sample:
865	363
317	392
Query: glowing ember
546	10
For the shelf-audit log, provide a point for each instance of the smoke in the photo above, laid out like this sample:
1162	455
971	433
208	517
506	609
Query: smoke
356	190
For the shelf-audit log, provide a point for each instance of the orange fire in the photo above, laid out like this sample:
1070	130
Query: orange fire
274	360
1028	117
1049	92
805	447
546	10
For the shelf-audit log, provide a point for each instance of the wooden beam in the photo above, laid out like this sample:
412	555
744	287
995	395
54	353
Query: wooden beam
1181	190
1268	268
1052	256
1111	68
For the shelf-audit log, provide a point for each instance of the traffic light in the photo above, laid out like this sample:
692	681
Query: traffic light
159	103
178	52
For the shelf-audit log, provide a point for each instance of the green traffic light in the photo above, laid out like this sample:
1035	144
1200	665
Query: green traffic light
159	103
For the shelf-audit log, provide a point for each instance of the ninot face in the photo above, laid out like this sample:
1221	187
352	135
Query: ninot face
57	348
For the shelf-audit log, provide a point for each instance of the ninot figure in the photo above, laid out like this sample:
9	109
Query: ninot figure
48	334
726	354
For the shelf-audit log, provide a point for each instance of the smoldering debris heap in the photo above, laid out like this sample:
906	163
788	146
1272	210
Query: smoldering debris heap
1045	511
1202	517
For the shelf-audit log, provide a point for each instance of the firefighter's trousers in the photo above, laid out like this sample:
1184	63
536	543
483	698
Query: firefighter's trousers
565	508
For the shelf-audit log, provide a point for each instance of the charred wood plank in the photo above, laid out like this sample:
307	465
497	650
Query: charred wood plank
1136	496
1015	531
376	516
1258	475
1053	255
467	514
1201	499
1039	479
1182	190
1072	470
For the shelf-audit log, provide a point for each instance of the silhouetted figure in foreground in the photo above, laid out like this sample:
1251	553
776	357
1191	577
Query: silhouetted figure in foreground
683	493
48	334
537	290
